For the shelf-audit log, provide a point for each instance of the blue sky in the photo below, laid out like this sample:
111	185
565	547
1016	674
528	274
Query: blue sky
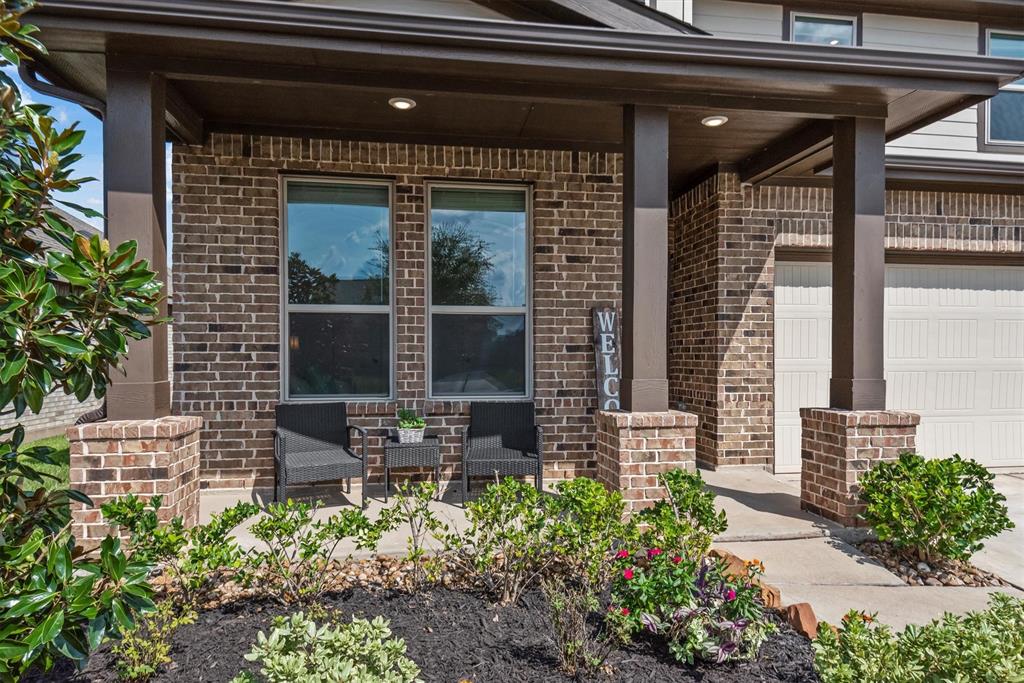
91	149
90	194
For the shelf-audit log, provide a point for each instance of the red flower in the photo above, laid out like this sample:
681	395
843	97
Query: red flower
628	574
653	552
625	611
730	595
621	555
677	559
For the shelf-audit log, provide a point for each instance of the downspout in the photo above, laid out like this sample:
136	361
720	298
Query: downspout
31	79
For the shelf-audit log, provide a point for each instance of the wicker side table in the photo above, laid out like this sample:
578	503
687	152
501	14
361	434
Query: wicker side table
426	453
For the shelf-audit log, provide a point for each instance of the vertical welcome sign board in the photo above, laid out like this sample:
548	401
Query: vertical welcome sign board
606	352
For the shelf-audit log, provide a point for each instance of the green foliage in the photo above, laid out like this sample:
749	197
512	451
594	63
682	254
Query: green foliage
506	547
586	527
144	649
295	564
686	522
701	611
981	646
299	651
942	508
69	337
412	508
408	419
195	558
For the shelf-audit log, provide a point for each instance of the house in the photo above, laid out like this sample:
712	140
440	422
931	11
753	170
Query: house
418	203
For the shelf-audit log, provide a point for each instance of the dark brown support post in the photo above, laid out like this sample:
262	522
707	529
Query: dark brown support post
645	259
135	185
858	265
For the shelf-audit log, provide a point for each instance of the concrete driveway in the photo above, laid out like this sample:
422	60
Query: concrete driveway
1004	555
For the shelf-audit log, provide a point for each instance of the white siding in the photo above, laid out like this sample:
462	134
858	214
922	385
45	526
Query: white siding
917	34
741	20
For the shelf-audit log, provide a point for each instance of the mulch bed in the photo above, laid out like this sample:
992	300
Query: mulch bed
453	636
941	573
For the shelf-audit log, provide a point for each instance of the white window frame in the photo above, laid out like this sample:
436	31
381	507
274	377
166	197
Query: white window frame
1013	87
526	310
287	308
795	14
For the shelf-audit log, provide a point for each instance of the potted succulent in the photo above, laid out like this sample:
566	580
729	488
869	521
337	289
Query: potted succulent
410	426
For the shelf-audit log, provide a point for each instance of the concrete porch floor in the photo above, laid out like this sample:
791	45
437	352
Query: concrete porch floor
808	558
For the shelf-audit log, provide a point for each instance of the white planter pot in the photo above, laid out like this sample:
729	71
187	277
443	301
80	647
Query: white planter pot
411	435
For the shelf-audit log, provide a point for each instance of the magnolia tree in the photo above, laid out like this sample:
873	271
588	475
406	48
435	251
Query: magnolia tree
66	316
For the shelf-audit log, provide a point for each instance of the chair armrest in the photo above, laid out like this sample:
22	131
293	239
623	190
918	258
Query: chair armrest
539	436
362	433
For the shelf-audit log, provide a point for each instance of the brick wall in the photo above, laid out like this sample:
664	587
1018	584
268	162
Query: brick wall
634	448
59	411
226	288
916	221
721	327
144	457
838	446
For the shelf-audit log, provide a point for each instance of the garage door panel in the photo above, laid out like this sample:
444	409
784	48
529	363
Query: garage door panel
954	345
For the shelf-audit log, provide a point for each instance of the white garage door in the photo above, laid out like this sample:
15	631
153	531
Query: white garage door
954	353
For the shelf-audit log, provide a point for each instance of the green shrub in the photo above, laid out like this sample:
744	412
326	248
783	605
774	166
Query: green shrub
980	646
586	527
196	559
55	602
942	508
408	419
299	651
506	547
144	649
571	602
412	508
701	611
295	564
686	521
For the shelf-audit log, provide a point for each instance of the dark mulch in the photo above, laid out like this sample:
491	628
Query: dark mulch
454	636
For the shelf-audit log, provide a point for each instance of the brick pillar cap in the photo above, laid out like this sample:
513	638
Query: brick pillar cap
170	426
669	418
855	418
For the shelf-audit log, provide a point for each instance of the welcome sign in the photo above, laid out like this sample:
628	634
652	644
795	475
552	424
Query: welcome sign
606	352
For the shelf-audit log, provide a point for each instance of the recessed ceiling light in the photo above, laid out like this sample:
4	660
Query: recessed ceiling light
834	41
402	103
715	121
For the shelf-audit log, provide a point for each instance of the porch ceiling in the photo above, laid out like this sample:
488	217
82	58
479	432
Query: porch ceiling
297	69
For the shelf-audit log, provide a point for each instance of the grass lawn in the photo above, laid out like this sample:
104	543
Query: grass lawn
61	456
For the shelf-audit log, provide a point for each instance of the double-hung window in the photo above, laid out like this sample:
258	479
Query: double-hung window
479	291
1005	112
823	29
337	244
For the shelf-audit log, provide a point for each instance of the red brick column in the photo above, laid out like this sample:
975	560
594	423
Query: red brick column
633	448
838	446
144	457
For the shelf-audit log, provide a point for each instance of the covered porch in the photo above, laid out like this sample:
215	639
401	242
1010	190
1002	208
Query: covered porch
629	196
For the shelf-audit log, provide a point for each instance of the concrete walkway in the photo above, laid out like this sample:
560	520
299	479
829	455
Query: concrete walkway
811	560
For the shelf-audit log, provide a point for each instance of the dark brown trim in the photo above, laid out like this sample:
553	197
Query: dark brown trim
285	76
813	9
784	153
295	25
983	144
644	346
906	257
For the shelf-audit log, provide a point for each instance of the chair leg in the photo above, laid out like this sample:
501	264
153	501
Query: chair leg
280	493
362	493
540	480
465	484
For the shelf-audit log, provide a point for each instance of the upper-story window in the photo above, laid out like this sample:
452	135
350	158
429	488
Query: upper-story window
1005	111
823	29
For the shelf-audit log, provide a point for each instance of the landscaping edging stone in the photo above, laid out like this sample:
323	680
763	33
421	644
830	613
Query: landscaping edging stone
943	573
453	636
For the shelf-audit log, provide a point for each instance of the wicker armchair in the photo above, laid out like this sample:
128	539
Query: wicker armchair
312	444
504	439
